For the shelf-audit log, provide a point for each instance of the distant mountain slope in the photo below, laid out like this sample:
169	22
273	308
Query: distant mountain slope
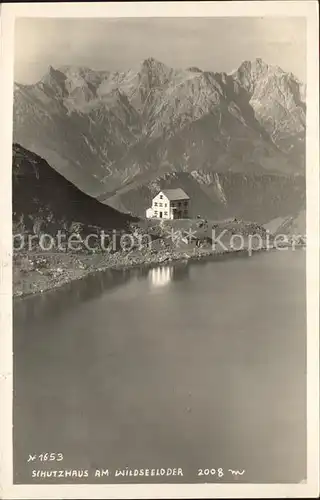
104	129
293	225
43	196
64	122
255	197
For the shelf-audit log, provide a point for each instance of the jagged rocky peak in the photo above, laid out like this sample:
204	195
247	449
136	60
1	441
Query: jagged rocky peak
152	63
54	79
74	70
263	80
194	69
151	74
255	66
69	83
80	81
152	66
88	74
251	73
54	74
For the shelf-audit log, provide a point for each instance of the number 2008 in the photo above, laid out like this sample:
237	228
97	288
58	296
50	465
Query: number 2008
211	472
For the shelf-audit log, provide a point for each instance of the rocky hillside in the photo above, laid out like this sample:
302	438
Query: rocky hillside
292	225
257	197
43	199
106	131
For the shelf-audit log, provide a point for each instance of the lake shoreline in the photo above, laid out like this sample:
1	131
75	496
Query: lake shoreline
66	268
121	262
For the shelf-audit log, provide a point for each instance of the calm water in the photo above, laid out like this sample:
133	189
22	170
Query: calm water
192	366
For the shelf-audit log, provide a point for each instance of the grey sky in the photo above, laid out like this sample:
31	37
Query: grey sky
218	44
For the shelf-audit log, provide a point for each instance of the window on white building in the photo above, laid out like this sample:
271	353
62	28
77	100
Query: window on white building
161	197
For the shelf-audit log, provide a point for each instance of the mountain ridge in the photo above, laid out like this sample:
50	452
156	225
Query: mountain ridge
102	130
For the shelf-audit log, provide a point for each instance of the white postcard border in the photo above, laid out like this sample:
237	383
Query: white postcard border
308	9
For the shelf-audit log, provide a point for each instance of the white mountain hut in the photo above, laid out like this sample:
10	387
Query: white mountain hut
169	204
